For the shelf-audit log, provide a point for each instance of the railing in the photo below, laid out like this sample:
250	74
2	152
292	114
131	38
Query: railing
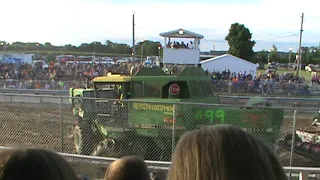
66	93
48	122
46	96
41	84
292	89
220	86
36	91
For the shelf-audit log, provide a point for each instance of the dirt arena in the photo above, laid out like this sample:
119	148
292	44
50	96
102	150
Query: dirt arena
40	125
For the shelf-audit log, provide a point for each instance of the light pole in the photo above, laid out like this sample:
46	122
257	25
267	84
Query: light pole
159	49
142	42
290	52
269	51
214	49
94	49
61	50
37	49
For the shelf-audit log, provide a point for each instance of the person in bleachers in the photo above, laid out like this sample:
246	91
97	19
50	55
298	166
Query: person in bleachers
191	46
34	164
223	152
128	168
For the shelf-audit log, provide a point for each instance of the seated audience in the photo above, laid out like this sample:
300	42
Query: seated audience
223	152
128	168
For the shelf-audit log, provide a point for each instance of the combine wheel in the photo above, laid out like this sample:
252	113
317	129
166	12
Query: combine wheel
288	139
315	148
105	148
84	137
305	147
119	148
279	145
138	147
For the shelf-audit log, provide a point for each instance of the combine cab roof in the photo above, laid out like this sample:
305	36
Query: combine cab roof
157	74
112	79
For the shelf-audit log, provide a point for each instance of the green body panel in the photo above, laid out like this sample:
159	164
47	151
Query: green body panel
155	119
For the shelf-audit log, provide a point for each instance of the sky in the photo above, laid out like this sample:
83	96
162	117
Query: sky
75	21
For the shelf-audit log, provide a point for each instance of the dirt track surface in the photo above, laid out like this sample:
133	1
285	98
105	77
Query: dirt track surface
39	125
35	125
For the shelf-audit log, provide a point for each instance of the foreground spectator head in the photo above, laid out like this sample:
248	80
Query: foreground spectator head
35	164
128	168
223	152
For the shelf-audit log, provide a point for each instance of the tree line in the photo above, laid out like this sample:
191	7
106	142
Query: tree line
239	40
147	47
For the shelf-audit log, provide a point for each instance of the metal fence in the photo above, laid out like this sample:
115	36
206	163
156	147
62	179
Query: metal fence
41	84
285	88
149	129
221	86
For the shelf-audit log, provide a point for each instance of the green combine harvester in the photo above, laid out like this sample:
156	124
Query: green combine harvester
136	115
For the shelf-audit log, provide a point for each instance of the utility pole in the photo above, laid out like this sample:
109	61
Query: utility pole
133	41
299	50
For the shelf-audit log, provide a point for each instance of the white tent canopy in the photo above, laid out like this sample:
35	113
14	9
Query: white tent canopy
229	62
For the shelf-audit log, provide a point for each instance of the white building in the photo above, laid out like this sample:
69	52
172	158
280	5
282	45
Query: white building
229	62
23	58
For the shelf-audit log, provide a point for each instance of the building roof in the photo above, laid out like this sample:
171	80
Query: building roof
226	55
186	34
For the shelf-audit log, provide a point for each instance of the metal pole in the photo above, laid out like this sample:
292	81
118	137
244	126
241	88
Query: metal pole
94	49
289	59
141	52
133	40
173	128
61	126
293	138
300	41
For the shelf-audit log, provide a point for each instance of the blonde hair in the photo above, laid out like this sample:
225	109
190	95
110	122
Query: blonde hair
223	152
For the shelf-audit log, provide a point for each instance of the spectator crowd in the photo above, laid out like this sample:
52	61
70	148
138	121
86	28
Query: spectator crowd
55	76
176	45
265	83
221	152
62	76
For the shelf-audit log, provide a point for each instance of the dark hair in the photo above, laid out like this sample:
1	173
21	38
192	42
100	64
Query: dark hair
36	164
126	168
223	152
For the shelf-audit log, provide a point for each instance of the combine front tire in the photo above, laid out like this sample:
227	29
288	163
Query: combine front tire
84	137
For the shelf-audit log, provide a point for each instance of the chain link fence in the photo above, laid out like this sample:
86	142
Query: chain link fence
150	130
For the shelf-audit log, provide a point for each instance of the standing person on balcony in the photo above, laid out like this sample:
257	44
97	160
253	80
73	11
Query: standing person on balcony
223	152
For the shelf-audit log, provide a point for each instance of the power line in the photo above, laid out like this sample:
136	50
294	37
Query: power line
279	37
259	40
312	17
312	33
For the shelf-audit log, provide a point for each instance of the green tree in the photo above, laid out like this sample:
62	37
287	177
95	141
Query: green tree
240	42
150	48
273	54
261	57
